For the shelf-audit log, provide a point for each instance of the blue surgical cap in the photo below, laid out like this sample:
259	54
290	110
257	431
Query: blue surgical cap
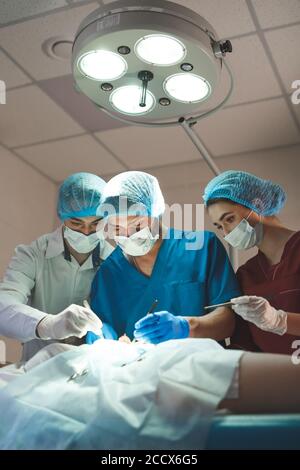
133	193
79	196
262	196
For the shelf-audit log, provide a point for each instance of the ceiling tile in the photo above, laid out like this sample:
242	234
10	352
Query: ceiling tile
77	105
13	10
30	116
10	73
141	147
250	82
228	18
24	40
249	127
277	12
61	158
284	45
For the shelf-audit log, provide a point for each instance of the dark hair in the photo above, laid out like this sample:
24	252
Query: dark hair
211	202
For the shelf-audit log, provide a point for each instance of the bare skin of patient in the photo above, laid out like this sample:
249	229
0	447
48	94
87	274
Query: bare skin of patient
268	383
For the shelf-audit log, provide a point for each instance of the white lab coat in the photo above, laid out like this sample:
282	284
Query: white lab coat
39	280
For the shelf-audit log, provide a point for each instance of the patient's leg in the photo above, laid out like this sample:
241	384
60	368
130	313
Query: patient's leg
267	383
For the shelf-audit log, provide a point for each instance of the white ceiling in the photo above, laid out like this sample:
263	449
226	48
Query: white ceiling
30	116
39	127
23	40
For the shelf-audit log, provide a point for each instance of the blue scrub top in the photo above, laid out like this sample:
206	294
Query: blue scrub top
183	280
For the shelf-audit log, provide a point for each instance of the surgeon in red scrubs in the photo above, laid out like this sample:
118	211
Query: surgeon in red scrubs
245	207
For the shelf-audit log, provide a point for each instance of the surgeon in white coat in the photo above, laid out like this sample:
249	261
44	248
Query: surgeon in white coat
46	282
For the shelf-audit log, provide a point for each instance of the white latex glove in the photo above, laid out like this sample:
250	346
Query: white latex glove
257	310
73	321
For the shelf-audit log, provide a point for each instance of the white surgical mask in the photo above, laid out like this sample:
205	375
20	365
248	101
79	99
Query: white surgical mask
80	242
244	236
138	244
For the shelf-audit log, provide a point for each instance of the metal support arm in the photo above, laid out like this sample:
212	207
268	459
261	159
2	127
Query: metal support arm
188	128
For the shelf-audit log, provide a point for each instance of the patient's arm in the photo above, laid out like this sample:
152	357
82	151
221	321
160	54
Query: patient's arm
267	383
217	325
293	324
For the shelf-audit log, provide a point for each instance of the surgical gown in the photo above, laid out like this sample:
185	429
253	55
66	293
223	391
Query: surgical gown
279	284
182	280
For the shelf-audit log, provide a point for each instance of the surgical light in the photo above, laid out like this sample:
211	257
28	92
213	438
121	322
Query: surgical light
158	49
102	65
188	88
126	100
167	51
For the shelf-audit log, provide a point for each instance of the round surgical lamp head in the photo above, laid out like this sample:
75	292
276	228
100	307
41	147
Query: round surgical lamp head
148	59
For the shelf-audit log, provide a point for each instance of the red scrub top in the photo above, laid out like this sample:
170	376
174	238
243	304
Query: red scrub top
280	285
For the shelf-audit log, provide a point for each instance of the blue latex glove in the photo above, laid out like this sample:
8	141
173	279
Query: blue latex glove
107	333
161	326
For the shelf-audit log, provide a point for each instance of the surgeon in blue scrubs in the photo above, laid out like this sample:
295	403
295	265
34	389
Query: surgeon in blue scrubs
183	271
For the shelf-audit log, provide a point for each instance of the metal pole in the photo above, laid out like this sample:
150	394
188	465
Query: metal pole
187	127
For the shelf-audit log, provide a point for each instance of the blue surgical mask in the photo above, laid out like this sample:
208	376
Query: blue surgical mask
244	236
80	242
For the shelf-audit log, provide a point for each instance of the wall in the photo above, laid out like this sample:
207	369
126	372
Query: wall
27	208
